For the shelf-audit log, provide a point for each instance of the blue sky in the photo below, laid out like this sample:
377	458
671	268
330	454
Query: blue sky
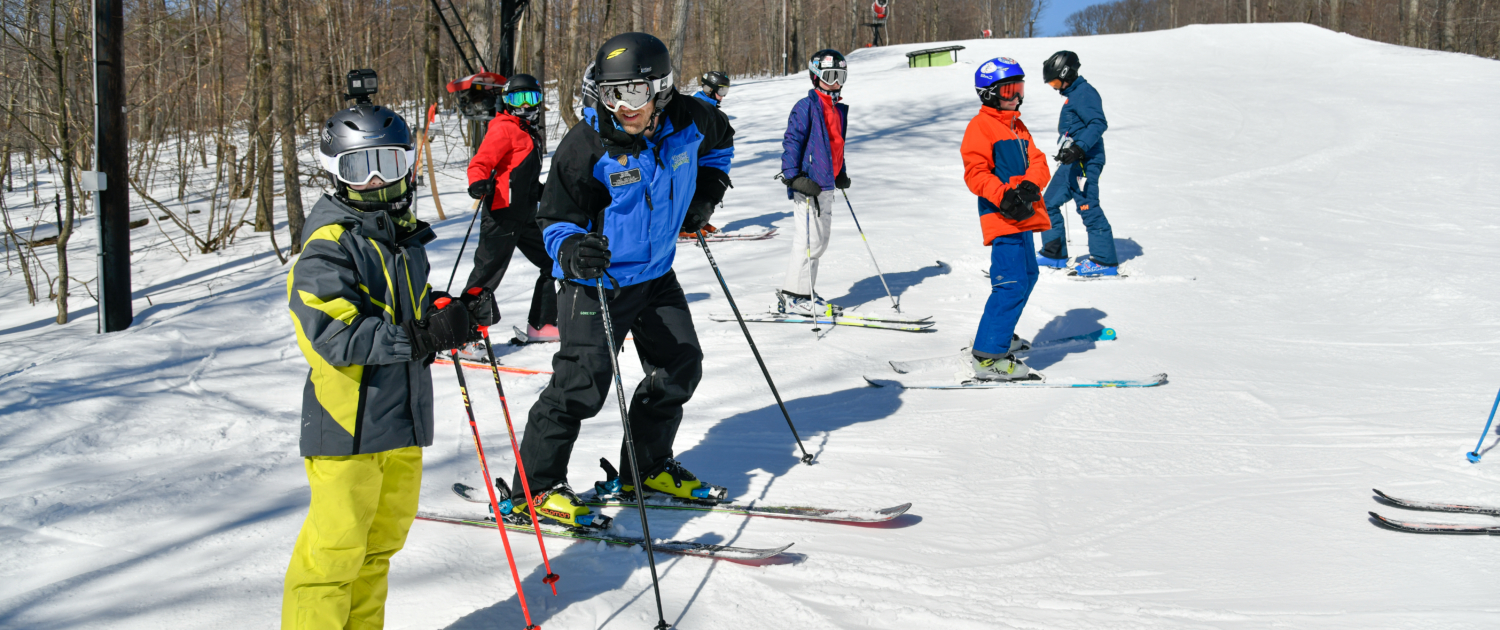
1057	13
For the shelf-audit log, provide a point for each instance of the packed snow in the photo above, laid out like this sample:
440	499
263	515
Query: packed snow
1308	224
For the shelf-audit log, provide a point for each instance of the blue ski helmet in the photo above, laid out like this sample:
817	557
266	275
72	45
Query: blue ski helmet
995	73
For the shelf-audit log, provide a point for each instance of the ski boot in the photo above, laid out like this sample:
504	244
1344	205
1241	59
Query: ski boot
474	351
692	236
1053	263
557	505
1091	269
670	479
798	304
1007	369
548	332
1018	345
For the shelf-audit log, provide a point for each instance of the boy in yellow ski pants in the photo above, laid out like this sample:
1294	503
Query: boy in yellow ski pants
362	507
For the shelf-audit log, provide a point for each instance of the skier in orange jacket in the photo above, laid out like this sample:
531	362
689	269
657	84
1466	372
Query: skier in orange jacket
1005	169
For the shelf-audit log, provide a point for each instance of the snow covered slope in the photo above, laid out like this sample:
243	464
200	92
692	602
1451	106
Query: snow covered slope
1310	231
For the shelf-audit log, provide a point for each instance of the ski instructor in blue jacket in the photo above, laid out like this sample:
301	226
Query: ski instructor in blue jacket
1080	155
645	164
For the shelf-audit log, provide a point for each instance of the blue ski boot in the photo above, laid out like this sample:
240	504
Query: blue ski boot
1091	269
1054	263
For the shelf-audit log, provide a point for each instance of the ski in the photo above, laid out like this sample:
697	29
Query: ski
1435	528
661	502
950	383
485	365
737	235
1439	507
788	318
961	359
686	548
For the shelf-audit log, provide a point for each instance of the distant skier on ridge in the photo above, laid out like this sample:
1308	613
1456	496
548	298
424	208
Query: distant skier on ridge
1003	166
1081	153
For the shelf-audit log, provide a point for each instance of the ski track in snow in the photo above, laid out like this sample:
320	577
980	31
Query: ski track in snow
1299	245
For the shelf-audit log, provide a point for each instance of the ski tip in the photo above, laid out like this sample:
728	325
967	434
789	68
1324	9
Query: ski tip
1381	494
894	511
875	382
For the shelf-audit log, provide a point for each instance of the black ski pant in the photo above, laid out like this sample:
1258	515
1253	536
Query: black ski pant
656	314
499	236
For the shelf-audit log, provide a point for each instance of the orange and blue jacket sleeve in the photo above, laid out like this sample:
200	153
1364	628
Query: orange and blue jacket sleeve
979	164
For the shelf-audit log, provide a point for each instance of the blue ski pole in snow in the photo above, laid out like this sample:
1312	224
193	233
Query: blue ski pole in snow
1474	455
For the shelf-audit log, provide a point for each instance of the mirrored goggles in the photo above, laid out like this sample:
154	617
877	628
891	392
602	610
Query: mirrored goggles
722	91
523	99
831	76
632	94
360	166
1004	91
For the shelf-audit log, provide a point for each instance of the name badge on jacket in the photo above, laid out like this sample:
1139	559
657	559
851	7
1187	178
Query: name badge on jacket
625	178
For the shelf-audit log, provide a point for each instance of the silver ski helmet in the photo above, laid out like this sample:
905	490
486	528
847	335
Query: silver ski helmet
364	142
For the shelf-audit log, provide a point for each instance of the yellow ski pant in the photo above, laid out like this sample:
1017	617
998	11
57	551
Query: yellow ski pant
362	507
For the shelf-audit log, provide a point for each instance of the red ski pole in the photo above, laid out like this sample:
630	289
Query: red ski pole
551	579
463	389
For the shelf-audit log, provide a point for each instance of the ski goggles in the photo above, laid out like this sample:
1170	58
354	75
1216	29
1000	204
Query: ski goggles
831	76
1008	91
523	99
721	91
360	166
632	94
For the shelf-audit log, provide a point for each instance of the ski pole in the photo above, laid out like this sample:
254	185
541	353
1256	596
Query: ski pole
807	458
463	390
812	274
894	303
1474	456
635	471
551	579
486	201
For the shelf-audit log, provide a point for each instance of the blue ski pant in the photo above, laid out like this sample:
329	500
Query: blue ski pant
1064	187
1013	274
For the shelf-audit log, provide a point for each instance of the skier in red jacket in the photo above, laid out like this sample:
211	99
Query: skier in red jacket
512	149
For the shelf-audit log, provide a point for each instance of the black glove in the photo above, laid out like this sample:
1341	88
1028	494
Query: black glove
584	256
712	183
483	310
1016	205
841	182
698	215
481	189
805	185
1070	154
446	327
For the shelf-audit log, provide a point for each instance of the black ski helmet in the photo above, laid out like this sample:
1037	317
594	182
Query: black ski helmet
635	57
713	81
824	60
1061	66
521	83
367	126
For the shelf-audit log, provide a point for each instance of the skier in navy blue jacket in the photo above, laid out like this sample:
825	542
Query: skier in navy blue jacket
1081	157
812	162
644	164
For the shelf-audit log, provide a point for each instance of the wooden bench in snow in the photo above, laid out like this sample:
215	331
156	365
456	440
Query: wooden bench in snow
933	57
